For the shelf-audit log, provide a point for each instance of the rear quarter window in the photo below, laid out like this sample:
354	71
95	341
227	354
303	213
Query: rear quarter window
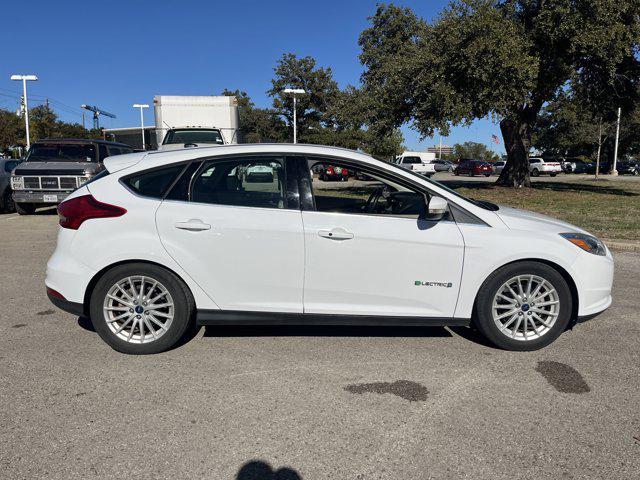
153	183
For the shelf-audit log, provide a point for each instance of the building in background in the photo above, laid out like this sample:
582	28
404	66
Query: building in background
446	149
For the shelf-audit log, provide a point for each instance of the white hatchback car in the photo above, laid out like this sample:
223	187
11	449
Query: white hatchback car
160	243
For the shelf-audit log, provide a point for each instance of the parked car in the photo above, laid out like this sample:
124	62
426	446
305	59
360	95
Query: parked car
162	242
415	164
603	167
473	167
575	165
443	165
498	166
330	173
260	174
6	201
539	166
628	167
53	168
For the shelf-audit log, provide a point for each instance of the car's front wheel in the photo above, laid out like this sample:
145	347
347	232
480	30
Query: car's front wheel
141	308
523	306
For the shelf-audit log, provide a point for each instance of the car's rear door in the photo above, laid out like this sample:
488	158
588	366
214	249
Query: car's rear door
374	264
238	234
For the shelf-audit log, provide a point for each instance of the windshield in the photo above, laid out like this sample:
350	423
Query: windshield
192	135
60	152
478	203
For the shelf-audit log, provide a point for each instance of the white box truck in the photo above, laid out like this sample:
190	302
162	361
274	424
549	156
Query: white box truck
195	120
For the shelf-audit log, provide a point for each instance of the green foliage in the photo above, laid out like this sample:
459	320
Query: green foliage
11	130
501	59
258	125
474	150
43	123
327	115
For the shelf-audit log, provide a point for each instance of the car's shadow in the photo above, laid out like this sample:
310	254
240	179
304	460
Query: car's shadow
322	331
246	331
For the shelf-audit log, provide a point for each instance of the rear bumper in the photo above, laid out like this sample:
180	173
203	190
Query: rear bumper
20	196
67	306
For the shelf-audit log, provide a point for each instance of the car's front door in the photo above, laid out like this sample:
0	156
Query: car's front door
367	254
234	229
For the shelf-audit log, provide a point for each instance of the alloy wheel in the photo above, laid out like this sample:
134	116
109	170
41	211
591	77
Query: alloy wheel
138	309
525	307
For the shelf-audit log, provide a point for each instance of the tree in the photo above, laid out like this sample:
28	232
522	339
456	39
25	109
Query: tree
474	150
325	114
502	59
258	125
318	83
11	130
42	122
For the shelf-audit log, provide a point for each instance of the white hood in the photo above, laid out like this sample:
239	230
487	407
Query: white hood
525	220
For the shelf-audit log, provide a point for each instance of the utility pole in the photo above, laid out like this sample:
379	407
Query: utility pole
25	79
142	106
294	92
614	171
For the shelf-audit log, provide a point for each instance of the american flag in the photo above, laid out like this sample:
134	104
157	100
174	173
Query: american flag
495	139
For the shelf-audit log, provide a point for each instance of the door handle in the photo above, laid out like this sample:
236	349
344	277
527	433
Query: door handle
336	234
193	225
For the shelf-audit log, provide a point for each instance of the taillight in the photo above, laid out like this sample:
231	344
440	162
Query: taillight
74	212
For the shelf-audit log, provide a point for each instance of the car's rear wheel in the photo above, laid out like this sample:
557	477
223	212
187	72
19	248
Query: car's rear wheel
553	174
535	172
523	306
25	208
140	308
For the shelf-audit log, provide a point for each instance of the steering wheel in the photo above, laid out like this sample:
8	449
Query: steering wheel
372	201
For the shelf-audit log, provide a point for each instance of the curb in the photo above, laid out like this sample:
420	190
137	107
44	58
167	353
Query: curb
622	246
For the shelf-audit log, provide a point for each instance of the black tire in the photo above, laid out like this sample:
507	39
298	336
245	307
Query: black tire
483	318
8	205
25	208
184	305
553	174
456	172
487	174
535	172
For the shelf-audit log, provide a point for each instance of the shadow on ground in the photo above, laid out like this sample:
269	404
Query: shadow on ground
321	331
259	470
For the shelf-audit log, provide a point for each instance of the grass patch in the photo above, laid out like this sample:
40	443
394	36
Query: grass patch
609	209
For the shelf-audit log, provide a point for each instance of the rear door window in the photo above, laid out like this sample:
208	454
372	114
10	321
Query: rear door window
242	182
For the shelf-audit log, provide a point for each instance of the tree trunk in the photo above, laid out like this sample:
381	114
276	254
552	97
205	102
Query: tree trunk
517	141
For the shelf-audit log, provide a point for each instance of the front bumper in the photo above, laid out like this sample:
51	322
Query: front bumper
593	276
44	197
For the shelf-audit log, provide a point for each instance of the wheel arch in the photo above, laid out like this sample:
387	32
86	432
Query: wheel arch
558	268
96	278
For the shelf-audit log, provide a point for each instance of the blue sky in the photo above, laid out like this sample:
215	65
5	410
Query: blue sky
113	54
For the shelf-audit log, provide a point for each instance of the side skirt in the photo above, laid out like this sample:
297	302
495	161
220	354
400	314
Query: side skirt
233	317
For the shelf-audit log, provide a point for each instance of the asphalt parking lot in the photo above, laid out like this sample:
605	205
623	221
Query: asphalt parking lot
242	403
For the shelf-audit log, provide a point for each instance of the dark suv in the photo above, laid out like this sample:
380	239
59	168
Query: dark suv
53	168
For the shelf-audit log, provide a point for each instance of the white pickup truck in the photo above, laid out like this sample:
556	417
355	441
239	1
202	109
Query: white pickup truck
538	166
415	164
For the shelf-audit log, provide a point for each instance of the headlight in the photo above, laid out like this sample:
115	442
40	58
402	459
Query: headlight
17	183
586	242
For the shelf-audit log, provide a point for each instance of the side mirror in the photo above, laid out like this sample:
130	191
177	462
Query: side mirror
436	208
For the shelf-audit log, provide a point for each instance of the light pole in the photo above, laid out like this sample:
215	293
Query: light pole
294	92
25	79
141	106
614	171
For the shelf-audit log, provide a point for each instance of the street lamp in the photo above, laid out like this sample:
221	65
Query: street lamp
141	106
25	79
294	92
